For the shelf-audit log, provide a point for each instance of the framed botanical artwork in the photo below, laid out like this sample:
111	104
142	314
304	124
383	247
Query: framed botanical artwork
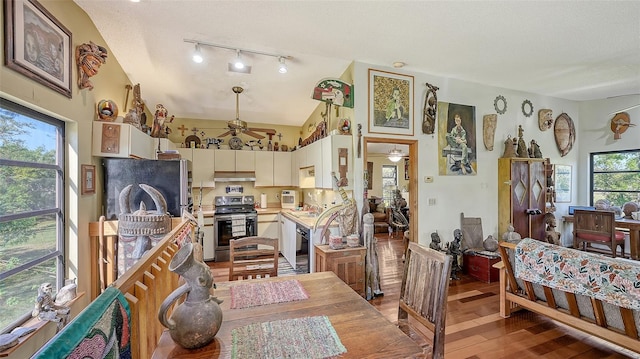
88	180
37	45
456	139
390	103
562	183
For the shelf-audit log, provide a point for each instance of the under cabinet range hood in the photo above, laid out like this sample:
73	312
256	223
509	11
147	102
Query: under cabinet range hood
234	176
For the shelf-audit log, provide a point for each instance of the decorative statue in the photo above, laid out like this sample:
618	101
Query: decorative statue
47	309
346	213
140	225
372	277
435	242
511	235
509	148
534	150
522	146
629	208
138	105
430	109
160	129
455	251
89	58
195	322
551	234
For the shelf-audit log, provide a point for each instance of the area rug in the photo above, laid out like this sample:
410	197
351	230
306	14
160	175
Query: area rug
263	293
301	338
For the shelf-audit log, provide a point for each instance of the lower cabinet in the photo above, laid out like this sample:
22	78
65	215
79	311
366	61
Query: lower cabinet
347	264
268	226
288	240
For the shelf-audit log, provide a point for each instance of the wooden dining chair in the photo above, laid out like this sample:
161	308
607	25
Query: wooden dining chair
253	257
423	295
596	227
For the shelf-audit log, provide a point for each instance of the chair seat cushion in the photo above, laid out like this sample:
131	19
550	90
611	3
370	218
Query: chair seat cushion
600	238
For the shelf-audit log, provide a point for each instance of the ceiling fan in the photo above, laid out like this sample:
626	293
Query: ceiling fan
238	126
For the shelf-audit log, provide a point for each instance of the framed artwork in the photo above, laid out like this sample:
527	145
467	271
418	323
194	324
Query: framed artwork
390	103
562	183
406	169
88	180
456	139
370	172
37	45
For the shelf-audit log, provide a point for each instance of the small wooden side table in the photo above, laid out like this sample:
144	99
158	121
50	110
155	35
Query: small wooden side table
480	267
346	263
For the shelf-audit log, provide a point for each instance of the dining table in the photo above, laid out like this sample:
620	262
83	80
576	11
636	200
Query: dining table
632	225
362	330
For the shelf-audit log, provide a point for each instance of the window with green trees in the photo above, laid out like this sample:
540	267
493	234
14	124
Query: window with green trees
389	183
615	176
31	209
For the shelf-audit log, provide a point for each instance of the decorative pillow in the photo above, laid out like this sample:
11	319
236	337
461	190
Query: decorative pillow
381	208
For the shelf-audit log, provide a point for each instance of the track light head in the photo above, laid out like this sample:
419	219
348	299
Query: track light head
282	68
238	64
197	55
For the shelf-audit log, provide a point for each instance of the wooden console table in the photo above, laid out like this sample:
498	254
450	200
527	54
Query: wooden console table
634	233
346	263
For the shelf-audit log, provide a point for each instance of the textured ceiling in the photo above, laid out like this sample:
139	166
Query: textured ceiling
577	50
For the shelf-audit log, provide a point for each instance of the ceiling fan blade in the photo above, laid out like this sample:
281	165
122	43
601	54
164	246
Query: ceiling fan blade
226	133
268	131
253	134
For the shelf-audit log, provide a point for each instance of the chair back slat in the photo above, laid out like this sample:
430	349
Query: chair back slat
253	257
596	227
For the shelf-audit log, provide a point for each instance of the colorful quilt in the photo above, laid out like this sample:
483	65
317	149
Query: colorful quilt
101	330
611	280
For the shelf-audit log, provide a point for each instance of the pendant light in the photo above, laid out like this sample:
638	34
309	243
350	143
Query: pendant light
395	155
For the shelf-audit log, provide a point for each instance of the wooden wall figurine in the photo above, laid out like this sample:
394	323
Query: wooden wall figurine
489	123
89	58
430	110
510	147
545	119
565	133
522	145
619	124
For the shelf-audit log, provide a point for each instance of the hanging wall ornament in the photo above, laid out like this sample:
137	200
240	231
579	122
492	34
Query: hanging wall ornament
545	119
500	104
489	123
527	108
565	133
430	109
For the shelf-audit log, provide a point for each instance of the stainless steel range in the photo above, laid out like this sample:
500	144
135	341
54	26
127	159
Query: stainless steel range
234	217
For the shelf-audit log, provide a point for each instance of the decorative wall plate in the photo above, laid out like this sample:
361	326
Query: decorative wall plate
565	133
500	104
527	108
235	143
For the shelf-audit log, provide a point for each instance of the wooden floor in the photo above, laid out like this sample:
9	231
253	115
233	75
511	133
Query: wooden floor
474	327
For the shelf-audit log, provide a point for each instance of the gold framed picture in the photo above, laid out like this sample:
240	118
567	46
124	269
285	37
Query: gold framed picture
390	103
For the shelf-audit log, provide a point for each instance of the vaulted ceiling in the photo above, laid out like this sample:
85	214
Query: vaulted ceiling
576	50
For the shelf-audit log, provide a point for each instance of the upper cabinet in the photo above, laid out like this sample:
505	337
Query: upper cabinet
112	139
273	168
319	159
234	161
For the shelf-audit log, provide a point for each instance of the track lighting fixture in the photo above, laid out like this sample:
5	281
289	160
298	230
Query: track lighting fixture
282	68
238	64
197	55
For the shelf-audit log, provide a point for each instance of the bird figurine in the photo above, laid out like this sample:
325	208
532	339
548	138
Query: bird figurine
619	124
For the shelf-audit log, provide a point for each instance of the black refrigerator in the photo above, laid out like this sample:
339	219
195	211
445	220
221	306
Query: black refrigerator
172	178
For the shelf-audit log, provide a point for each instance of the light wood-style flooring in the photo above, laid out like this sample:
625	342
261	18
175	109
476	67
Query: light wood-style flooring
474	327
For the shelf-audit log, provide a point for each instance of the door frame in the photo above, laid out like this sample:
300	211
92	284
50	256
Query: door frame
413	176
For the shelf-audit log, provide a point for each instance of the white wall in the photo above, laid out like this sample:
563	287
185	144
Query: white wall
476	196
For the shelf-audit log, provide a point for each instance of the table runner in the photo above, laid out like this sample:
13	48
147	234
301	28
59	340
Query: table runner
263	293
612	280
300	338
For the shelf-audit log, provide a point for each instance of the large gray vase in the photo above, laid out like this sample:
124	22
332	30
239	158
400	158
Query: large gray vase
195	322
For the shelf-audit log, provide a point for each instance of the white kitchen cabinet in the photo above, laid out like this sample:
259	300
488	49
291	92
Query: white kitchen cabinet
203	167
269	225
121	140
331	160
186	153
208	244
288	240
314	159
264	166
281	169
234	161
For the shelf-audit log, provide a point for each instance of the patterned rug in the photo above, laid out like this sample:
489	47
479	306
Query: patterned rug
262	293
300	338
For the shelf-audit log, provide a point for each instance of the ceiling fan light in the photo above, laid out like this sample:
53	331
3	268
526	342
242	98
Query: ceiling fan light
197	55
282	68
395	155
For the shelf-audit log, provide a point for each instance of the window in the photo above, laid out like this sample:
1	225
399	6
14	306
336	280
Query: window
31	209
615	176
389	183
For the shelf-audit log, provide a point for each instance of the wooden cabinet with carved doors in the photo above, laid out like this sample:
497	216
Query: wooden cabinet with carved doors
522	187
